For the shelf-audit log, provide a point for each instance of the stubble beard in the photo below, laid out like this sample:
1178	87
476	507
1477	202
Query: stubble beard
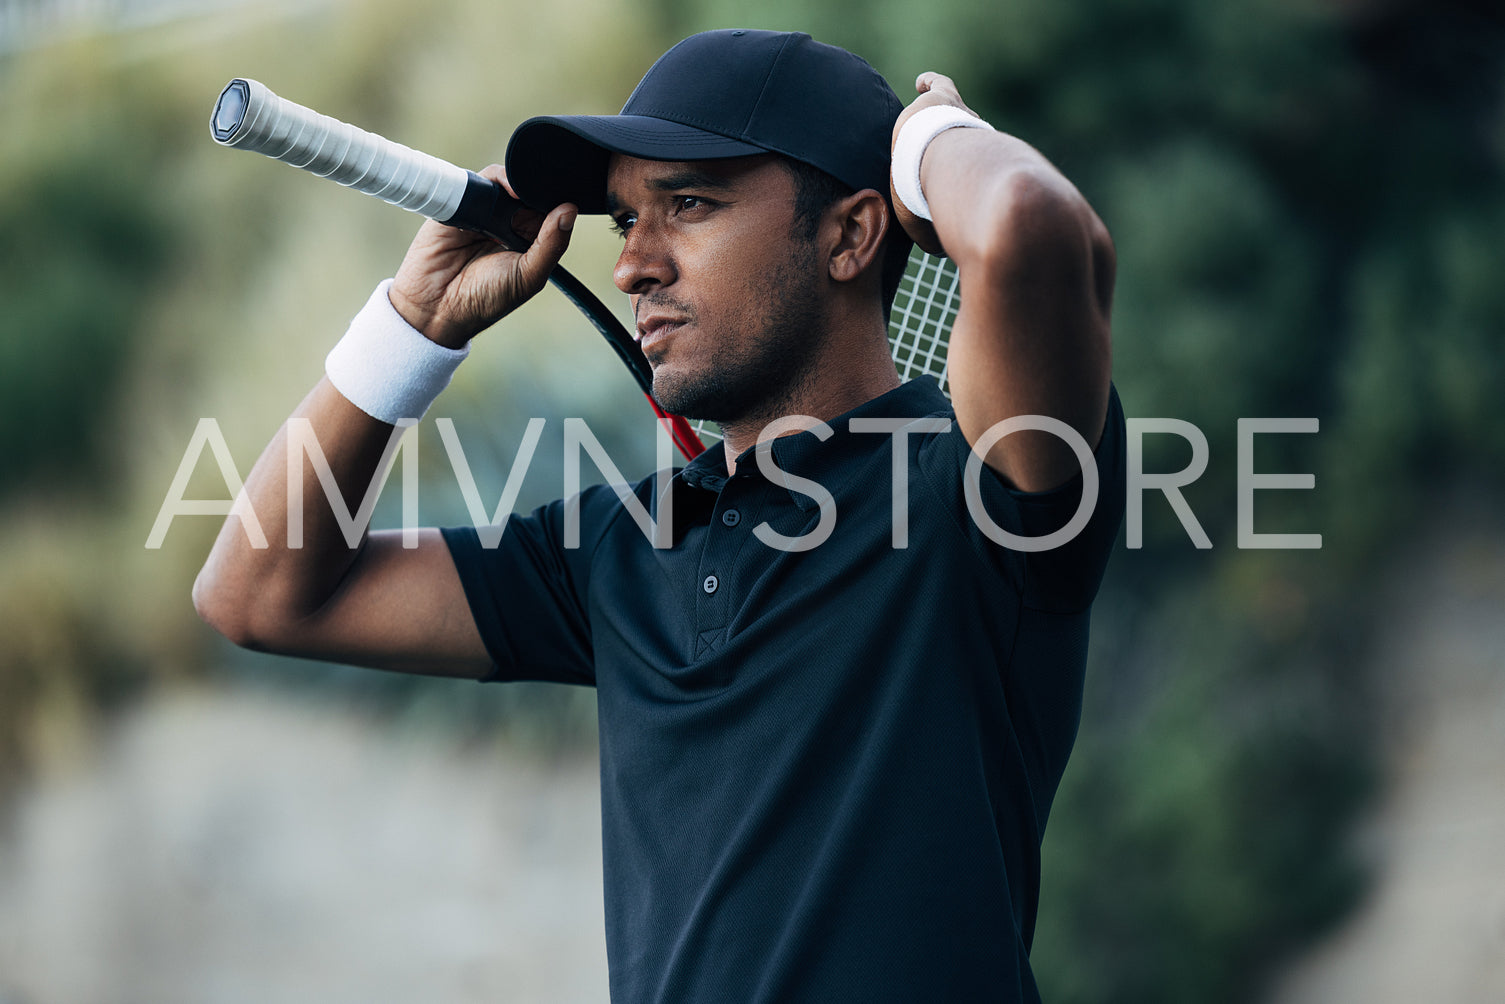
757	376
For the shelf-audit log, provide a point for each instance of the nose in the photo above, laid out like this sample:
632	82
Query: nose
644	264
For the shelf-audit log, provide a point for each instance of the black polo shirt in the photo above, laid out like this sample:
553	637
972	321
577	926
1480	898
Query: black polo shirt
824	772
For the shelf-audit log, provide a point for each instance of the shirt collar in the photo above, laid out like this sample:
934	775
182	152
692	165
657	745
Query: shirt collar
805	455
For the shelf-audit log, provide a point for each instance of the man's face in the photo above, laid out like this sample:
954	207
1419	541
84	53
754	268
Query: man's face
726	297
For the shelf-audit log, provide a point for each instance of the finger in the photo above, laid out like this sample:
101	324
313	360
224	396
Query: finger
939	89
932	81
498	174
548	247
524	222
438	238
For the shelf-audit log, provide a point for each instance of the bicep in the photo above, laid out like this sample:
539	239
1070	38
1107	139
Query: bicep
400	609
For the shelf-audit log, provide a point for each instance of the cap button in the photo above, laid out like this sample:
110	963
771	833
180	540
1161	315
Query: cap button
738	33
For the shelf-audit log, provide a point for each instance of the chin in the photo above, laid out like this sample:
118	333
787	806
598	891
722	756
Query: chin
698	396
677	393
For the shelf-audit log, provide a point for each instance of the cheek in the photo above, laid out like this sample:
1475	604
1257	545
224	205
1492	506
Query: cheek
735	274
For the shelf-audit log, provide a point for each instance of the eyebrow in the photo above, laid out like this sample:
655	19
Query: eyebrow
687	178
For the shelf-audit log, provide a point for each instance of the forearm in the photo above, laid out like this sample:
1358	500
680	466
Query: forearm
246	591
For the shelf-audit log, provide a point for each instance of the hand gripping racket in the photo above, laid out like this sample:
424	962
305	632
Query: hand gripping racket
248	116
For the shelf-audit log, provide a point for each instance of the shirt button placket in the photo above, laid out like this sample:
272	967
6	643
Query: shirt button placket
729	518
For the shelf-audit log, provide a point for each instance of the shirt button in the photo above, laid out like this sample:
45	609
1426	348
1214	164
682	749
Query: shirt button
710	584
731	517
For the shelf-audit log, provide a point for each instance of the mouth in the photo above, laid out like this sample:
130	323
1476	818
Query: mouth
653	332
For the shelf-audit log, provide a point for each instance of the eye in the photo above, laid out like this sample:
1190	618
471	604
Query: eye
684	203
623	223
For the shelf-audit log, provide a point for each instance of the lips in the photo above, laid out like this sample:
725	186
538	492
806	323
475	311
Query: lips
655	328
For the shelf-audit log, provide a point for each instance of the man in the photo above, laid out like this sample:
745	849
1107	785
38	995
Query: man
830	731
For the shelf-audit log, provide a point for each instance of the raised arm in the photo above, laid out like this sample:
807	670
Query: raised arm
376	603
1036	267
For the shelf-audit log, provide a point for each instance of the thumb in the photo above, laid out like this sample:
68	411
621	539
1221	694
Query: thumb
548	247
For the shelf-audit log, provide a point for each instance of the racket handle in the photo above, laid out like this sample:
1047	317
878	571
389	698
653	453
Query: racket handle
248	116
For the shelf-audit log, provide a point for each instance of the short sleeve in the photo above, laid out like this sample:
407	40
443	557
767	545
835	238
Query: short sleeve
1062	579
527	598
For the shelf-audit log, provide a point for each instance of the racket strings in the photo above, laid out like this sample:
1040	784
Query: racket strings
919	325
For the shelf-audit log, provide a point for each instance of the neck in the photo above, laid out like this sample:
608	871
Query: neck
855	368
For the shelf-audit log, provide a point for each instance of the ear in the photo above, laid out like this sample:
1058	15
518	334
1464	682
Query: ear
858	224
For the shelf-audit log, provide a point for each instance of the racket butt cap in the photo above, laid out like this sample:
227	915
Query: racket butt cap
230	111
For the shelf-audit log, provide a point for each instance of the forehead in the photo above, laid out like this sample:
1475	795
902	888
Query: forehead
628	178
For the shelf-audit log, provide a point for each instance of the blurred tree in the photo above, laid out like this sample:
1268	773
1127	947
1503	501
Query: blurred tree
80	249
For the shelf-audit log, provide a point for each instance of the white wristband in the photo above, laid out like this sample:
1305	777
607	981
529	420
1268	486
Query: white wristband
922	127
386	367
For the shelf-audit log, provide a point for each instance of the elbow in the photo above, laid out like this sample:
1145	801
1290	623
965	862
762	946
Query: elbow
1033	211
225	612
1040	231
1104	265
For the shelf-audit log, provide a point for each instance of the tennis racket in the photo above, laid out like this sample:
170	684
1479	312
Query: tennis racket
248	116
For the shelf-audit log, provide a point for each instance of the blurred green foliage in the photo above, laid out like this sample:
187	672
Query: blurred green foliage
79	247
1307	203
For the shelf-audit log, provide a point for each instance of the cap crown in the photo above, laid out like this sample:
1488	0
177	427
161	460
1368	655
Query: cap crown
727	93
780	91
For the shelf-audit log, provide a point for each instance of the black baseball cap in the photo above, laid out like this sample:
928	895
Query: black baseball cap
728	93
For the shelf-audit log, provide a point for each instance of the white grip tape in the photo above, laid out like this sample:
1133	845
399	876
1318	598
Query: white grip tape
353	157
909	149
385	367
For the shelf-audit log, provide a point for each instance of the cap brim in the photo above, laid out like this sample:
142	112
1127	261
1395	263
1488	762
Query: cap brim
563	158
